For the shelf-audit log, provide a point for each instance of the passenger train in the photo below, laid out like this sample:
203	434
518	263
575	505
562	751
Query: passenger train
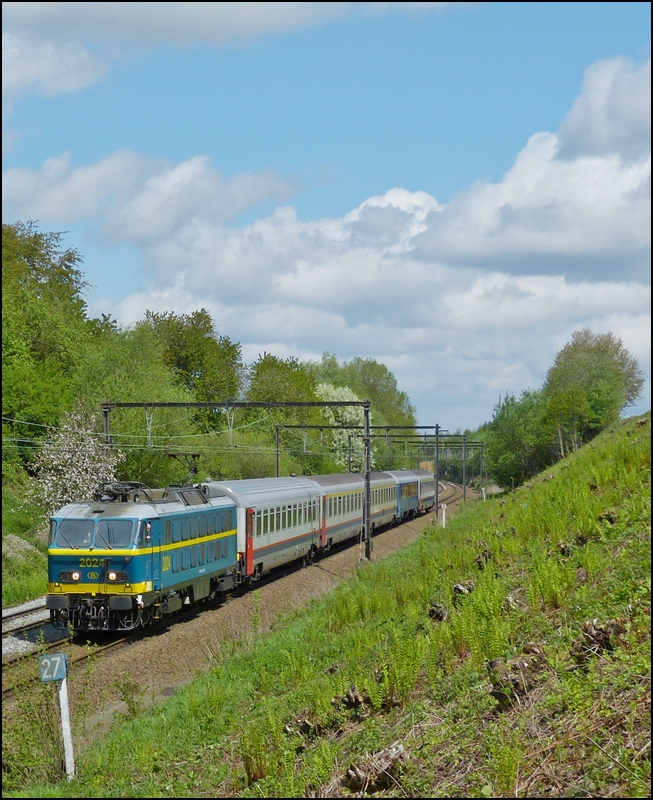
133	555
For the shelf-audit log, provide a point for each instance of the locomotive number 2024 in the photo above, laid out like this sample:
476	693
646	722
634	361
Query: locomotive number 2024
91	562
165	563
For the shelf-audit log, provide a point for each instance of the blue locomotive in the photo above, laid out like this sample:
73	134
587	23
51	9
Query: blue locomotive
133	555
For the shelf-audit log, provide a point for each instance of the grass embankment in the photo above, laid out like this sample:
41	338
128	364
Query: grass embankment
534	683
24	551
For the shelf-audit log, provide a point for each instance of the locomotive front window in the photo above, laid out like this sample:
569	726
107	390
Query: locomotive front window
75	532
113	533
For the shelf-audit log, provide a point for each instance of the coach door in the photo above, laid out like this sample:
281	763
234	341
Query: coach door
249	541
323	525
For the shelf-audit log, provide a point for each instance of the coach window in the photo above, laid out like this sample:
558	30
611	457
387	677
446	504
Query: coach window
265	521
278	518
258	522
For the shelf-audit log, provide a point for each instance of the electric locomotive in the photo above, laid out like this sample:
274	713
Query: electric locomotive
133	555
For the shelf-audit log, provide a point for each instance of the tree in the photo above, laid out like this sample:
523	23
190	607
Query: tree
368	379
593	378
518	446
44	330
72	462
346	451
207	364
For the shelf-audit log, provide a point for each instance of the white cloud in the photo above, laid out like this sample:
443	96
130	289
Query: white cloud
140	199
613	112
45	67
153	24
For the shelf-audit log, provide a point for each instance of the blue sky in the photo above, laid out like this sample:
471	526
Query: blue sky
450	188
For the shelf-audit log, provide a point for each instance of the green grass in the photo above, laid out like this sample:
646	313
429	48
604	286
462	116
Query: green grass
24	574
275	717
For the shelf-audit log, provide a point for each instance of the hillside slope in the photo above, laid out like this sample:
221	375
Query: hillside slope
507	655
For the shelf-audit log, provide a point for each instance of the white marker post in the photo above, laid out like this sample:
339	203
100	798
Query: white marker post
54	667
444	515
483	490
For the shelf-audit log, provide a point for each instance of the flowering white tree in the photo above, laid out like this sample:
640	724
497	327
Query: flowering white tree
72	462
346	415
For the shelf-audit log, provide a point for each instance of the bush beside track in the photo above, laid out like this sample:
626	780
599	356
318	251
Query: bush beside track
507	654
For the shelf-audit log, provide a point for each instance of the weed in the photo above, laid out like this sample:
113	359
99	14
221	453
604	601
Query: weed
131	694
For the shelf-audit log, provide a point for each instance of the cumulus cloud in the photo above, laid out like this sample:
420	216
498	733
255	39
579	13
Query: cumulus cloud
139	198
613	112
152	24
45	67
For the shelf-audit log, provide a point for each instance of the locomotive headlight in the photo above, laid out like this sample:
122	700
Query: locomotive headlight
112	576
117	577
75	576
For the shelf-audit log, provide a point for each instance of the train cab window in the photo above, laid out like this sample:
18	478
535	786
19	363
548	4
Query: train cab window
53	530
75	532
115	533
143	534
185	529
